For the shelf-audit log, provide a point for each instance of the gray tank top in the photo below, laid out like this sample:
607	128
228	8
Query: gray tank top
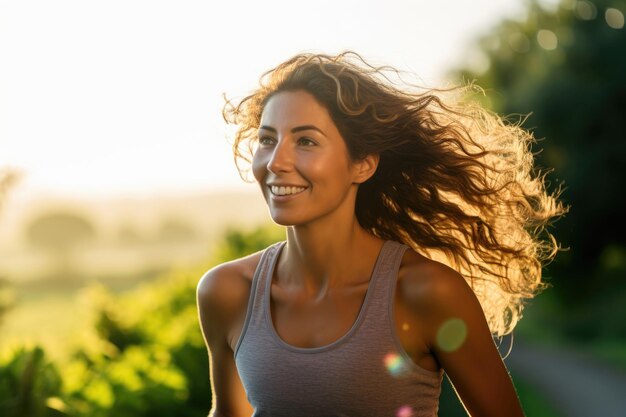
366	372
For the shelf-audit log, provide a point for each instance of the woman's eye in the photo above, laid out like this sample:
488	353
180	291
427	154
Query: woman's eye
265	140
307	141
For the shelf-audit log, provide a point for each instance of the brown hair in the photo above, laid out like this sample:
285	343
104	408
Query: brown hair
454	180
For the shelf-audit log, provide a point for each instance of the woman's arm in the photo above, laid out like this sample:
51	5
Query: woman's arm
448	308
221	295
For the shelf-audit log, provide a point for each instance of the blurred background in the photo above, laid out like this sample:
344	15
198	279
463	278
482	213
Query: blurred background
118	188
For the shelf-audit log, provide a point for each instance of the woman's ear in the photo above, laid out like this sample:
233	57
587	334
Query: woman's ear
365	168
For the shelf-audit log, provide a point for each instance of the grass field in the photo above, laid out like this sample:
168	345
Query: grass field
54	321
58	319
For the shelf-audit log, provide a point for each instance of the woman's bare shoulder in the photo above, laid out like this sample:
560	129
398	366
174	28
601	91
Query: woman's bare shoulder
420	278
434	292
225	288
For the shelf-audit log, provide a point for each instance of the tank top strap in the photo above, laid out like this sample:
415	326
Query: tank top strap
383	280
254	311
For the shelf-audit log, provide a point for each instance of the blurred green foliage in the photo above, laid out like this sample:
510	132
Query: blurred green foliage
564	68
240	243
29	385
147	357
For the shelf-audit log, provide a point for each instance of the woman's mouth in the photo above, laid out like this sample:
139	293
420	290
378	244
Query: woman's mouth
285	193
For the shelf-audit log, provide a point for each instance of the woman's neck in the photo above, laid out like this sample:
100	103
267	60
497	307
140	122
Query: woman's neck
316	260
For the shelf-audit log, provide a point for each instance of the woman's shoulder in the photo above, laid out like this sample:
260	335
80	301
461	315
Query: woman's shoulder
422	281
225	288
435	292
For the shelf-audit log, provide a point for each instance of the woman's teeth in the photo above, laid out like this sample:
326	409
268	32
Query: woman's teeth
286	190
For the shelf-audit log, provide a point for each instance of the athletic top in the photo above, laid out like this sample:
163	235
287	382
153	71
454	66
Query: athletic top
366	372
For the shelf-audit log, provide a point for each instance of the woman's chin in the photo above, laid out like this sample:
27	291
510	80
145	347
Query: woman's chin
283	219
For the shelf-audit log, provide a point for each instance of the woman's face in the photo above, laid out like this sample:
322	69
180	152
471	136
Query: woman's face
301	164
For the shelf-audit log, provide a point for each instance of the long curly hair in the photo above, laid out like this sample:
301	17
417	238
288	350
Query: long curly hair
455	181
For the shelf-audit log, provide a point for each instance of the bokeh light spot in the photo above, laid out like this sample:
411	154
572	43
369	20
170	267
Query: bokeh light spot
614	18
586	10
56	403
547	39
451	334
404	411
405	326
394	363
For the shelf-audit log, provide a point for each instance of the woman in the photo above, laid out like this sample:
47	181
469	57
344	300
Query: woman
407	248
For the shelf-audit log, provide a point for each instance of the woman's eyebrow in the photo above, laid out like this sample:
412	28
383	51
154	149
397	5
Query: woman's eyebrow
295	129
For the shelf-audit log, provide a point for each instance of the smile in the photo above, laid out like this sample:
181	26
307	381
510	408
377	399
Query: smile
285	191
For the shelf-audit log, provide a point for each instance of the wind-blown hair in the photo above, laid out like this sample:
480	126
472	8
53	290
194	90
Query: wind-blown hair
454	180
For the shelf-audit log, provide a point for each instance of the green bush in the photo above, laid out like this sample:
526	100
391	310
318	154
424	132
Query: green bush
238	243
29	385
147	357
140	381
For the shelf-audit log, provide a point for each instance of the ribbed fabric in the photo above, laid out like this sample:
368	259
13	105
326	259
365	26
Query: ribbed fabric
366	372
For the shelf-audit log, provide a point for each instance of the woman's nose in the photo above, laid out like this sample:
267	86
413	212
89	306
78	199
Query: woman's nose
281	158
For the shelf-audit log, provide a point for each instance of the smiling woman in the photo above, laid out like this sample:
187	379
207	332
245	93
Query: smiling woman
297	163
407	249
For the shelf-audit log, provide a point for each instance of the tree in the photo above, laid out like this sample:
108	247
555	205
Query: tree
60	233
565	67
174	230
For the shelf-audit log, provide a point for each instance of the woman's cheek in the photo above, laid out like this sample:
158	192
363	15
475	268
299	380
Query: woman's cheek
258	166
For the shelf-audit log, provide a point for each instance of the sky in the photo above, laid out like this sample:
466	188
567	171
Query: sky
109	98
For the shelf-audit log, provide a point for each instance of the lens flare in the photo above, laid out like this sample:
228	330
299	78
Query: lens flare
614	18
586	10
547	39
451	334
394	363
404	411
